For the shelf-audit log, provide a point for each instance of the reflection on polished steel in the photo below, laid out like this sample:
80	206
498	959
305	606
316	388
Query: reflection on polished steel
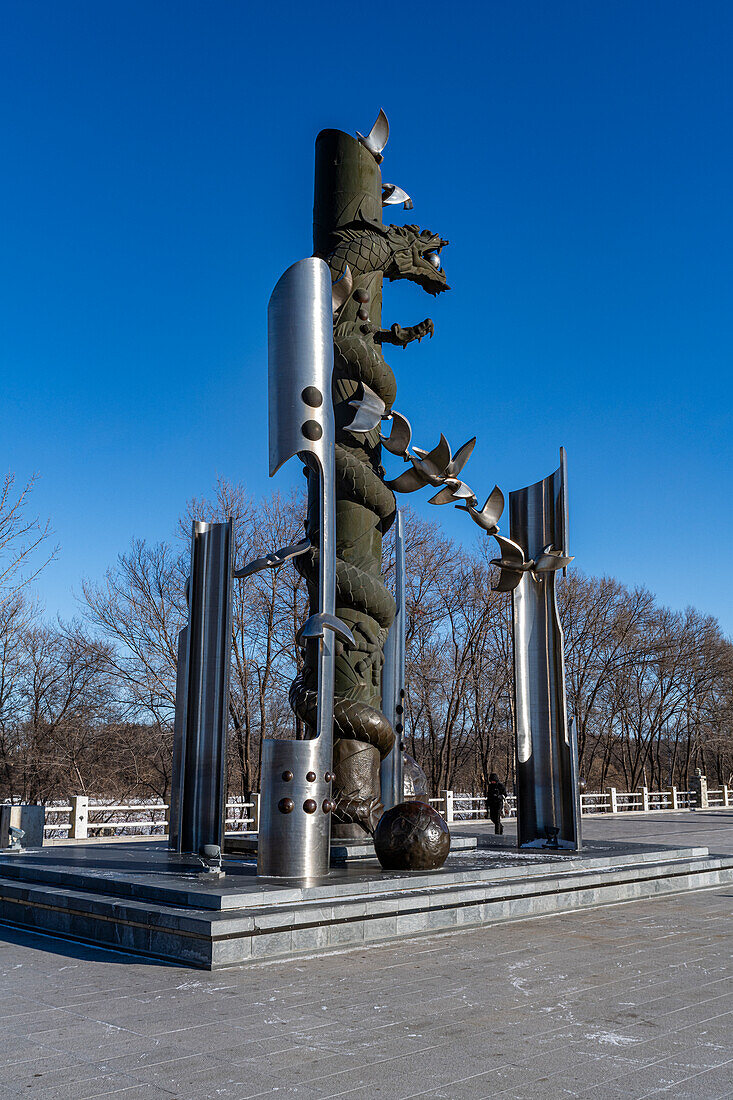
546	753
295	816
198	786
393	679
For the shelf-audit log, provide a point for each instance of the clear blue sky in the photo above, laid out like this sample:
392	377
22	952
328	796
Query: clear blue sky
157	179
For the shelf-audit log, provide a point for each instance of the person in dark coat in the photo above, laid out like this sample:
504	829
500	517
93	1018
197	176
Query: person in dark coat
495	795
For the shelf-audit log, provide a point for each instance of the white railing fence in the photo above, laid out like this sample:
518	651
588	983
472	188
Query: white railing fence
84	818
464	807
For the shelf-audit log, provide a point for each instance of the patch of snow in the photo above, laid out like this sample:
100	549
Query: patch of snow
612	1039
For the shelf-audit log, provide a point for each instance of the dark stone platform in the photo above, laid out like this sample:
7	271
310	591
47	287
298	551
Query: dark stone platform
342	851
142	898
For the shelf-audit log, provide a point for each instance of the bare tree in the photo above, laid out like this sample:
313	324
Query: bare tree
21	539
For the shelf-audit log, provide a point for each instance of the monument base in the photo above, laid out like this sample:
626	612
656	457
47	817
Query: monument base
144	899
342	850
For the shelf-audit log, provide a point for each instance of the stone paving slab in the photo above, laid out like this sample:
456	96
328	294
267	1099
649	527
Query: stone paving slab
626	1001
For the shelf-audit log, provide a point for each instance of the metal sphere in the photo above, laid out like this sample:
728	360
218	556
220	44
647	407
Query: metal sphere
412	837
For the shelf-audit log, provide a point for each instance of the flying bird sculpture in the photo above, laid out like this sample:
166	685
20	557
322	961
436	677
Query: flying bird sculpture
392	195
438	468
512	563
377	137
551	559
487	517
370	411
274	559
400	435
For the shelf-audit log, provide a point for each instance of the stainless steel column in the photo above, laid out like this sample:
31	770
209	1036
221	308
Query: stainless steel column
199	784
295	810
546	755
393	679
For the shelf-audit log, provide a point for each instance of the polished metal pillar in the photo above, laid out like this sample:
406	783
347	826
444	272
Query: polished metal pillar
295	811
198	784
393	679
547	809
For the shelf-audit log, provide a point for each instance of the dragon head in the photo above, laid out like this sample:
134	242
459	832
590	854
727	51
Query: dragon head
416	256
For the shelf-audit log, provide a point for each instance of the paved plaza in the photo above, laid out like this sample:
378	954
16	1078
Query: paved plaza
630	1000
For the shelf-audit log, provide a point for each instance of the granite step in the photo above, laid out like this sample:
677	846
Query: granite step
255	920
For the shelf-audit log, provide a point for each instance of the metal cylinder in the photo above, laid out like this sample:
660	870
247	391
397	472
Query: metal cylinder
202	694
295	810
393	679
546	762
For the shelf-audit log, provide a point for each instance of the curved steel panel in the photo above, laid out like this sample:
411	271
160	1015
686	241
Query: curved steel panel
296	843
546	768
300	363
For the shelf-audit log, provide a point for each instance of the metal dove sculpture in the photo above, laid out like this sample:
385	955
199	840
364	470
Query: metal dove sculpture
512	564
274	559
487	517
370	411
551	559
400	434
377	137
438	468
392	195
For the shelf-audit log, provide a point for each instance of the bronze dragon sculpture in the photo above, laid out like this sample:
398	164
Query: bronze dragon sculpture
361	253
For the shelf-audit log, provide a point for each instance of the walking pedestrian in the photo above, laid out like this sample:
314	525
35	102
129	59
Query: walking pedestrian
495	795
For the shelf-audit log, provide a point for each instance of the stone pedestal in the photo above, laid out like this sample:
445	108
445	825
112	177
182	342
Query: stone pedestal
699	788
30	819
